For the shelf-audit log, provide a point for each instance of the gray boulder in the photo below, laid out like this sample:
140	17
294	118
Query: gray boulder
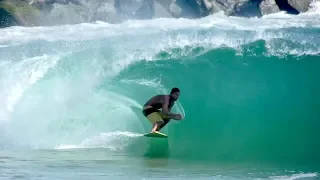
269	7
300	5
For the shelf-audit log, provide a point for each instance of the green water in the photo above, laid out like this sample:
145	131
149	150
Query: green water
71	99
98	164
251	108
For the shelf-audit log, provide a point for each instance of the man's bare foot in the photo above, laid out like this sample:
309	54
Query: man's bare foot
154	132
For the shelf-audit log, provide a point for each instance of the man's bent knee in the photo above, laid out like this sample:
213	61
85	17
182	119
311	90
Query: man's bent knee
155	118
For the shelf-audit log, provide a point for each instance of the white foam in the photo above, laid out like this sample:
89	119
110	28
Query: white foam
295	176
17	76
166	34
116	140
314	8
154	83
99	30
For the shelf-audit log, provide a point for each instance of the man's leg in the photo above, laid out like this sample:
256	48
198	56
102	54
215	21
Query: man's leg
157	126
166	121
156	120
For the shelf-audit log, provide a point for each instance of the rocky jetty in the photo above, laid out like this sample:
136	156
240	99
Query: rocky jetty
57	12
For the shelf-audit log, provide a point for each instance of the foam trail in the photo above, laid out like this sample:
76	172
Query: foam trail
295	176
114	141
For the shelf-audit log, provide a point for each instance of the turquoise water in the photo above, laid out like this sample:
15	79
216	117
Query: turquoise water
71	99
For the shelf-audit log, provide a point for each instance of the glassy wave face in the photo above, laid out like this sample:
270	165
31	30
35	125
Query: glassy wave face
249	87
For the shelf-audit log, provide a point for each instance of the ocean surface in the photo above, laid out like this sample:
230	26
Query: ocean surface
71	99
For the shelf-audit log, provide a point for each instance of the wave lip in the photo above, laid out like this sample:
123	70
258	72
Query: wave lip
93	31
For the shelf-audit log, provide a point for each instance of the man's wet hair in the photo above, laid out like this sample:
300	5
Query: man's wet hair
173	90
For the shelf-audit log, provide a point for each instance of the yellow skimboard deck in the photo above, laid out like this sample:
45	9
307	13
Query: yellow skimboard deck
156	135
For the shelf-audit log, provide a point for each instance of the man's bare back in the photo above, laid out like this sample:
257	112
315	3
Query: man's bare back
157	101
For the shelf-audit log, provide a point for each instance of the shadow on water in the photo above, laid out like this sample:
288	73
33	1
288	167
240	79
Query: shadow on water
157	152
157	148
154	152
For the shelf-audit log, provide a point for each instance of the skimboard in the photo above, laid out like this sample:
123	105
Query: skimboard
156	135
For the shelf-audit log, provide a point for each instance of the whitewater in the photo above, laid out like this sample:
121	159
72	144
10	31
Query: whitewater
72	95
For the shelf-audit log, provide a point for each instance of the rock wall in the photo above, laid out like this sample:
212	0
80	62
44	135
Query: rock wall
56	12
18	12
269	7
300	5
